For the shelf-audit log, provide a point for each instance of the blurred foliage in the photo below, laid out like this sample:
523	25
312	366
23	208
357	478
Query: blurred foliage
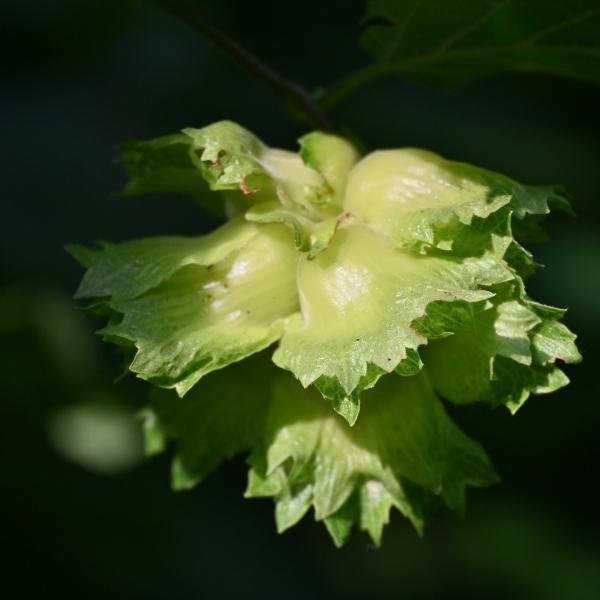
431	39
82	76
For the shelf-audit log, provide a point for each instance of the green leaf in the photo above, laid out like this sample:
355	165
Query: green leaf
164	165
359	298
203	318
424	40
403	440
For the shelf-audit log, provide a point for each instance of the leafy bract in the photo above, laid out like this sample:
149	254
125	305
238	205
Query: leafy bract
333	157
403	438
203	319
388	283
435	41
553	341
124	271
403	451
498	354
419	198
309	236
359	298
221	417
232	158
348	405
164	164
201	306
344	403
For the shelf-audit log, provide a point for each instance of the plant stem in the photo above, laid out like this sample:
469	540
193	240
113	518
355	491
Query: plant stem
343	88
289	91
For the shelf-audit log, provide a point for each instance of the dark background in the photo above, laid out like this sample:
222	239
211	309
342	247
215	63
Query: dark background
80	77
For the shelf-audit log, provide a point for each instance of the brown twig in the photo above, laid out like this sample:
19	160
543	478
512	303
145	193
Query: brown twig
288	90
